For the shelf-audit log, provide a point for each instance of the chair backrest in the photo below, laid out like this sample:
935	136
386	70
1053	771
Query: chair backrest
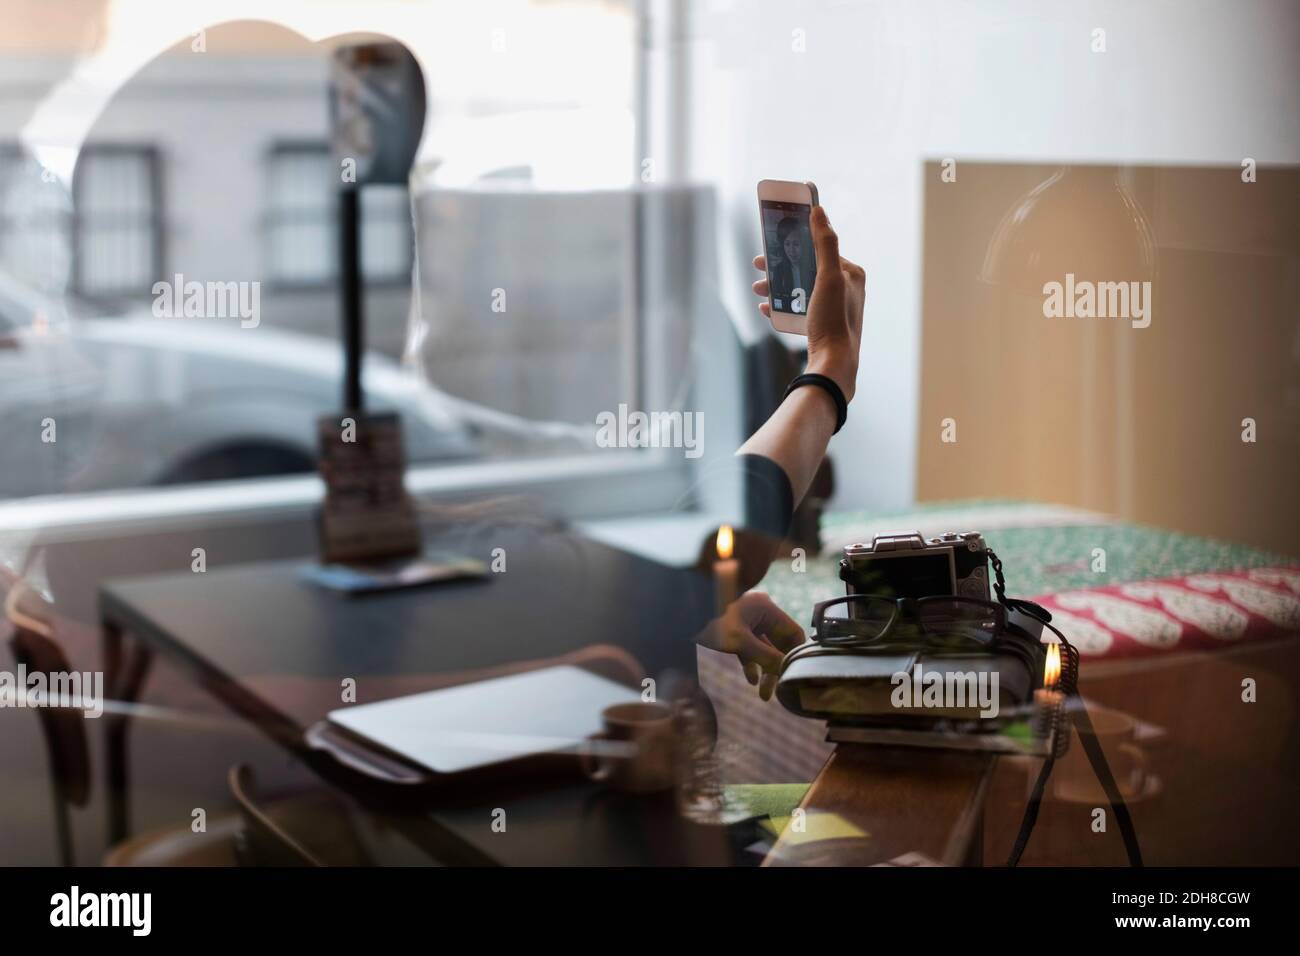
266	842
64	729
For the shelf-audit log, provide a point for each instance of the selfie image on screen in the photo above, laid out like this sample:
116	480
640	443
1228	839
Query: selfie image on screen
790	266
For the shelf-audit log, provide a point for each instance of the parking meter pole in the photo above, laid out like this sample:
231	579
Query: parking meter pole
377	106
350	287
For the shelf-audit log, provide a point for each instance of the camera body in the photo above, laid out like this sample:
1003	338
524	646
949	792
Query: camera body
906	564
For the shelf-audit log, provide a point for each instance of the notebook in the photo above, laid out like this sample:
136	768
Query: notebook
488	722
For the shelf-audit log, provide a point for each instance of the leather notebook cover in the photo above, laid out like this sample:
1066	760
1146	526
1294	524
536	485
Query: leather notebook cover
844	687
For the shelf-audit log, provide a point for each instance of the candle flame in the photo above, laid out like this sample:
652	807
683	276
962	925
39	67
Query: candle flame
726	541
1052	669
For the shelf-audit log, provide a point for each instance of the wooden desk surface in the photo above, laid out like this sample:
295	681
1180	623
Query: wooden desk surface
901	799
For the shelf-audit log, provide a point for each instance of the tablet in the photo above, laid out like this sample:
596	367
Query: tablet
469	726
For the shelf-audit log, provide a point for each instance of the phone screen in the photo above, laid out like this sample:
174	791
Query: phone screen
791	268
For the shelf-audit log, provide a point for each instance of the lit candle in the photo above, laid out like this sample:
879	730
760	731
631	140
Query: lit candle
1048	700
726	570
1052	667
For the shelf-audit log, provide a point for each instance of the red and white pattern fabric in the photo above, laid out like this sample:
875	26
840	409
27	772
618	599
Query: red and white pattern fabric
1191	612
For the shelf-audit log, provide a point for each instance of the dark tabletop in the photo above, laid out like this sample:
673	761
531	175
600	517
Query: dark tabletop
236	628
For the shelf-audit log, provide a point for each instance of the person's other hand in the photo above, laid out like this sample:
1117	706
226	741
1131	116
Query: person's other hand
758	633
835	311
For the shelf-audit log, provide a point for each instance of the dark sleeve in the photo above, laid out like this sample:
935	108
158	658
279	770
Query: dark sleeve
782	280
766	510
769	499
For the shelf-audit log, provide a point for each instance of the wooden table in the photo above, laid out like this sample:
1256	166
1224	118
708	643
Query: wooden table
904	800
1228	776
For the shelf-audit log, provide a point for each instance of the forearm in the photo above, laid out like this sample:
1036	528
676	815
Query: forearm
796	436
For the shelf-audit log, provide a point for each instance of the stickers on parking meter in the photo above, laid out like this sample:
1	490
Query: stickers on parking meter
377	104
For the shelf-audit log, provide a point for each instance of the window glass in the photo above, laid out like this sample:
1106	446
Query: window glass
117	242
302	243
35	224
197	231
300	216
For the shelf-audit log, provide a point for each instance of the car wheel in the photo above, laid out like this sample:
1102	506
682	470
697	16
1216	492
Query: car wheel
247	460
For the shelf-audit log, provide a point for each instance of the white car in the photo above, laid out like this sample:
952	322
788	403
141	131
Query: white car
127	402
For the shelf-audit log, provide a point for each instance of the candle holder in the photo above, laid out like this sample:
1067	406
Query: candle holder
726	570
1048	721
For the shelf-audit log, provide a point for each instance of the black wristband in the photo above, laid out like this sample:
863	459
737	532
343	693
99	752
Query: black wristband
831	388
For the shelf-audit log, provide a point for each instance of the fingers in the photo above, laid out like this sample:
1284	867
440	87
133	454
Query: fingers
856	278
852	270
772	627
761	287
825	241
757	677
758	633
752	649
732	634
765	617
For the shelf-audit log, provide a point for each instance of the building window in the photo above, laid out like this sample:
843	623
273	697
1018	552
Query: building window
301	241
302	221
35	217
386	240
117	227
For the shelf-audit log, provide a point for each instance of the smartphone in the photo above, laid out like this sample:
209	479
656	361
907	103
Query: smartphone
783	211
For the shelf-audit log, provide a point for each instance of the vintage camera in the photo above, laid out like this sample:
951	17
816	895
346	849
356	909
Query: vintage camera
905	564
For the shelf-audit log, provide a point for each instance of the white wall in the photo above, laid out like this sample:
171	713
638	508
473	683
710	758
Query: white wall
884	86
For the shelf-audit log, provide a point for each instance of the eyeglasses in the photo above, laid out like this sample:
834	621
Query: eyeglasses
941	620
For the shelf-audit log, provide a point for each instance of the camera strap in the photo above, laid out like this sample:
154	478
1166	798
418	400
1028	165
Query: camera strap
1075	714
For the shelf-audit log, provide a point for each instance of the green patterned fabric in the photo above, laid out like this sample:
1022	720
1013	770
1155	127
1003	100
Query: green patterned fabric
775	800
1037	560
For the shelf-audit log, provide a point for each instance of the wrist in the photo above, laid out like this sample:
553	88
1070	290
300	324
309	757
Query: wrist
817	401
831	397
840	373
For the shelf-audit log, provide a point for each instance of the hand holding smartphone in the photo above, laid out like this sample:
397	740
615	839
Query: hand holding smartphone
783	212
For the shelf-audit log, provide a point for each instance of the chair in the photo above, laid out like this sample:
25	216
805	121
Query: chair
263	841
312	828
64	730
68	750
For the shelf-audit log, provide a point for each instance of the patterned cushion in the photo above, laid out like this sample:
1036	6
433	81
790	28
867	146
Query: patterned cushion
1191	612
